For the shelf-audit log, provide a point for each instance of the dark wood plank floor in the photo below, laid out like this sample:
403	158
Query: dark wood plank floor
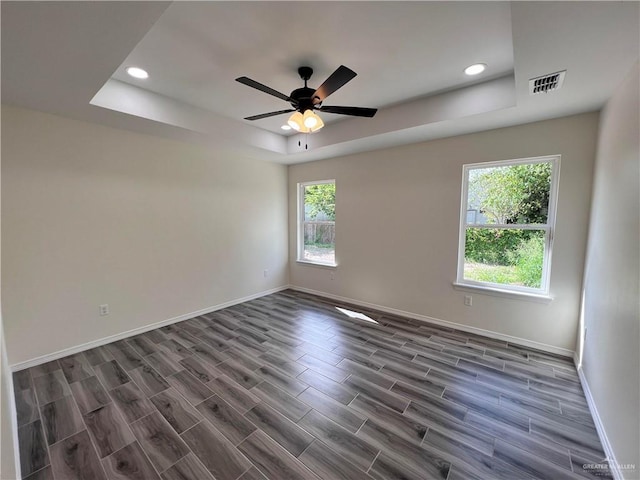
289	387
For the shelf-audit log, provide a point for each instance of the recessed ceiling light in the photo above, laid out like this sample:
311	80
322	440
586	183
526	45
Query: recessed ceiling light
285	127
136	72
475	69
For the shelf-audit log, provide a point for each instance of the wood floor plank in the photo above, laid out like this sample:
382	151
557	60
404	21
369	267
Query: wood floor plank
60	419
451	427
174	349
289	406
252	474
210	354
98	355
239	374
244	358
26	406
160	442
132	403
281	380
354	449
218	454
334	373
129	463
279	428
407	427
529	463
366	373
430	399
403	451
380	395
471	460
50	387
163	364
329	465
32	447
241	399
180	414
142	345
502	415
111	374
340	392
75	458
189	387
45	473
332	409
125	355
149	381
156	336
44	369
283	363
273	460
108	430
76	367
542	448
22	380
89	394
200	369
187	468
385	468
226	419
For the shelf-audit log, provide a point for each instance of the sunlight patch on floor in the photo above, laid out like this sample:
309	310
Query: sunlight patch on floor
358	315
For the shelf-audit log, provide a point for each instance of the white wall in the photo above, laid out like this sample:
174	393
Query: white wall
611	359
155	228
397	221
7	417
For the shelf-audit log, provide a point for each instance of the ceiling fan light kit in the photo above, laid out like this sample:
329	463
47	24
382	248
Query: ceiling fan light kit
305	100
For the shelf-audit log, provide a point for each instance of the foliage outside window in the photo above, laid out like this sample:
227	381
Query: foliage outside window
507	221
317	222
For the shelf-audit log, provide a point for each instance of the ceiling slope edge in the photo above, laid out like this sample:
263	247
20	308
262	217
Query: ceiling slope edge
131	100
489	96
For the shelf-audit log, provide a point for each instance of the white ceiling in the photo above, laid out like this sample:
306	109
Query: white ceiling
69	58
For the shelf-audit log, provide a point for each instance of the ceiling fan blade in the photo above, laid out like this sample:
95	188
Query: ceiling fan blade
353	111
263	88
270	114
337	79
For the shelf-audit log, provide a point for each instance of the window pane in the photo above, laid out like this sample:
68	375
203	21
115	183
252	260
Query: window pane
319	242
511	194
319	223
504	256
320	202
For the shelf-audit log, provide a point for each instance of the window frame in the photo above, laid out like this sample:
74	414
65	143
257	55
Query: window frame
548	228
301	221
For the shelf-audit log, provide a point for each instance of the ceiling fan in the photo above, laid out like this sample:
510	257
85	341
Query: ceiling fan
305	100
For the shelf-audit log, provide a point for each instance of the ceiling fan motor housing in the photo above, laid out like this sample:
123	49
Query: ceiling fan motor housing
302	99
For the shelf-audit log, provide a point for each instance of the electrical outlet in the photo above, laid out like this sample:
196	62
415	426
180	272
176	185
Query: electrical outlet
468	300
265	273
104	310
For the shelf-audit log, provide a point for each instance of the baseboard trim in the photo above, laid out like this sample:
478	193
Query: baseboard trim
606	445
458	326
12	412
137	331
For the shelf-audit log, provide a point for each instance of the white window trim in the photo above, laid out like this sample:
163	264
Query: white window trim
513	291
300	253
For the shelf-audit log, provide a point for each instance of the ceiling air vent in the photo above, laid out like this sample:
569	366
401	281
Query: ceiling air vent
546	83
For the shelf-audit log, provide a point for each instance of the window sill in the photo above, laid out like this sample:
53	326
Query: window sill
499	292
317	264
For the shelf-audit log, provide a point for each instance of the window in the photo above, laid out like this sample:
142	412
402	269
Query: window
317	222
507	221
